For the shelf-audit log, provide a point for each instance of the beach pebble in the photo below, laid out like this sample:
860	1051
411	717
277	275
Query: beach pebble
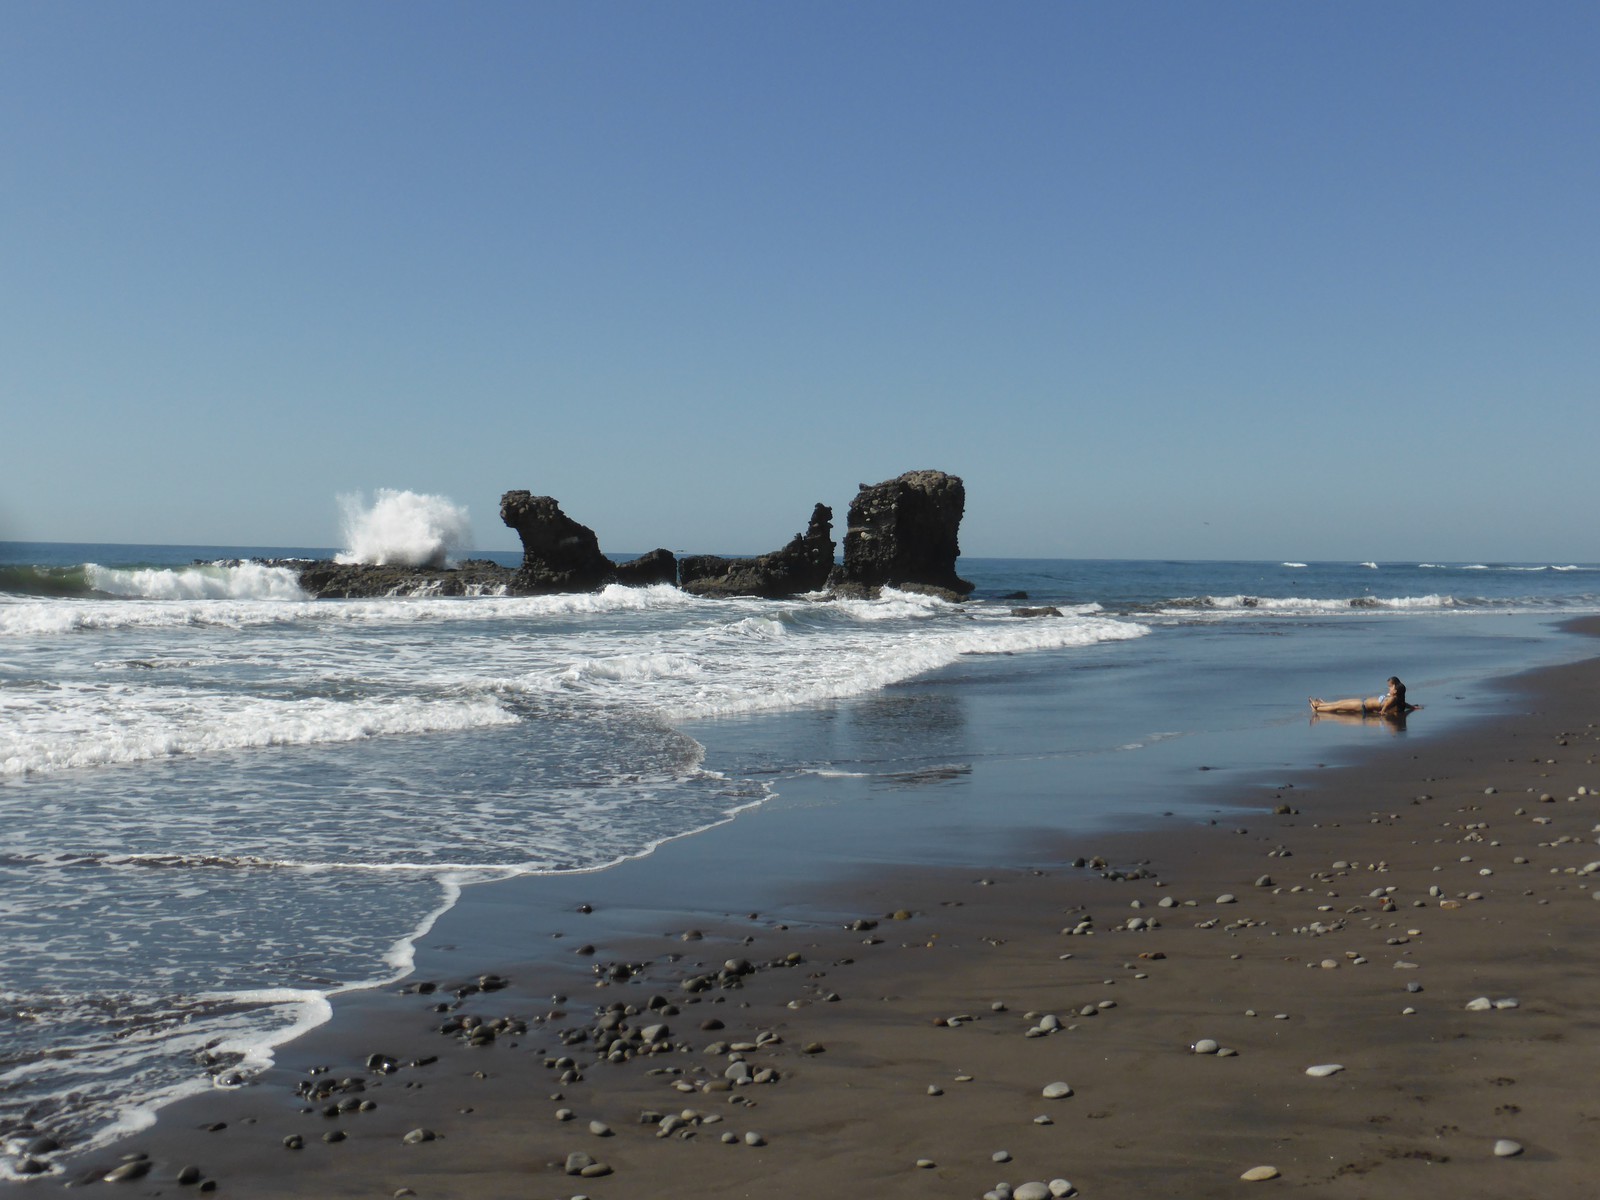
294	1142
754	1139
1323	1070
1506	1148
1000	1156
564	1114
419	1135
1481	1004
576	1162
1056	1091
1257	1174
1507	1002
1061	1187
1032	1190
935	1090
1227	898
1043	1120
927	1164
599	1129
1206	1046
140	1167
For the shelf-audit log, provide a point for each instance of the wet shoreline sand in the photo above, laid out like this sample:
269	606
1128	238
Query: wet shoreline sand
900	1042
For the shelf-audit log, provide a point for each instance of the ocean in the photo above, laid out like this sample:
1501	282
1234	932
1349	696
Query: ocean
224	803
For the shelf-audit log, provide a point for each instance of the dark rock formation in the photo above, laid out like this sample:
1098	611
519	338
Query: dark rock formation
558	554
349	581
902	533
659	566
801	566
1048	610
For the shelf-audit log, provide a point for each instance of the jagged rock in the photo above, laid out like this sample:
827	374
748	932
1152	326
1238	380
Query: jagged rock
659	566
801	566
558	554
1046	610
903	533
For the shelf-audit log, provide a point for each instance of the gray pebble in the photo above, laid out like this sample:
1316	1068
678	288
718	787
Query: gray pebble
419	1135
1506	1148
1032	1190
754	1139
1056	1091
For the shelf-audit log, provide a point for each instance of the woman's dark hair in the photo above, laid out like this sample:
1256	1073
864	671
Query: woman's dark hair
1399	688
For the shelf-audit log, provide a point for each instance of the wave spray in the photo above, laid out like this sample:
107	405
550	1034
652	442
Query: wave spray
403	529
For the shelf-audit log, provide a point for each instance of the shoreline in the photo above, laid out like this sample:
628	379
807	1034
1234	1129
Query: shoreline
1147	1115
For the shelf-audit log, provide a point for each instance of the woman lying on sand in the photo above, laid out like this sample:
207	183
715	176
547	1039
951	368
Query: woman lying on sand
1391	704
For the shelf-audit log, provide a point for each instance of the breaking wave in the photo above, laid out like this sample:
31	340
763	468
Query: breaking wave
403	529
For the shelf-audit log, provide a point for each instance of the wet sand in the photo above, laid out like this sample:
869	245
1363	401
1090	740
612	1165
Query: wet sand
891	1032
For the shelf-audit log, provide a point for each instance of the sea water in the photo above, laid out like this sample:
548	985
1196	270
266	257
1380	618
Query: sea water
224	803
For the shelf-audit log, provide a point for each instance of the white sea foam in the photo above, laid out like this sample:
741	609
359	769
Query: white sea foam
403	528
1304	605
1294	564
81	725
203	581
1370	565
25	618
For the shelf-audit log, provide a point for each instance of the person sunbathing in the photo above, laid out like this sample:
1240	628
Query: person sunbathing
1391	704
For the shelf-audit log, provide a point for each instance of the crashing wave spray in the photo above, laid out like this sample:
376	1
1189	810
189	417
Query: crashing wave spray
403	529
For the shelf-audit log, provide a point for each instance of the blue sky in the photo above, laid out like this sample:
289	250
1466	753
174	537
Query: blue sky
1260	280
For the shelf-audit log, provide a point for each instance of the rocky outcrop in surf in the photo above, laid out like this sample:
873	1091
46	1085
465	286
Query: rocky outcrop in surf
903	533
561	555
803	565
558	554
330	580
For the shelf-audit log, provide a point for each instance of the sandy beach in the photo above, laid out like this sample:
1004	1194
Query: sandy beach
1375	980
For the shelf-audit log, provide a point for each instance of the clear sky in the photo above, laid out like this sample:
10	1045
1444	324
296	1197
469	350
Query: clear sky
1315	280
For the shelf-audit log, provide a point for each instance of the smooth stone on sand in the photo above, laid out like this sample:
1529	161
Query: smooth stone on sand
1056	1091
1323	1070
1061	1187
1000	1156
1227	898
927	1164
1206	1046
140	1167
1257	1174
1481	1004
417	1136
754	1139
1506	1148
1032	1190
